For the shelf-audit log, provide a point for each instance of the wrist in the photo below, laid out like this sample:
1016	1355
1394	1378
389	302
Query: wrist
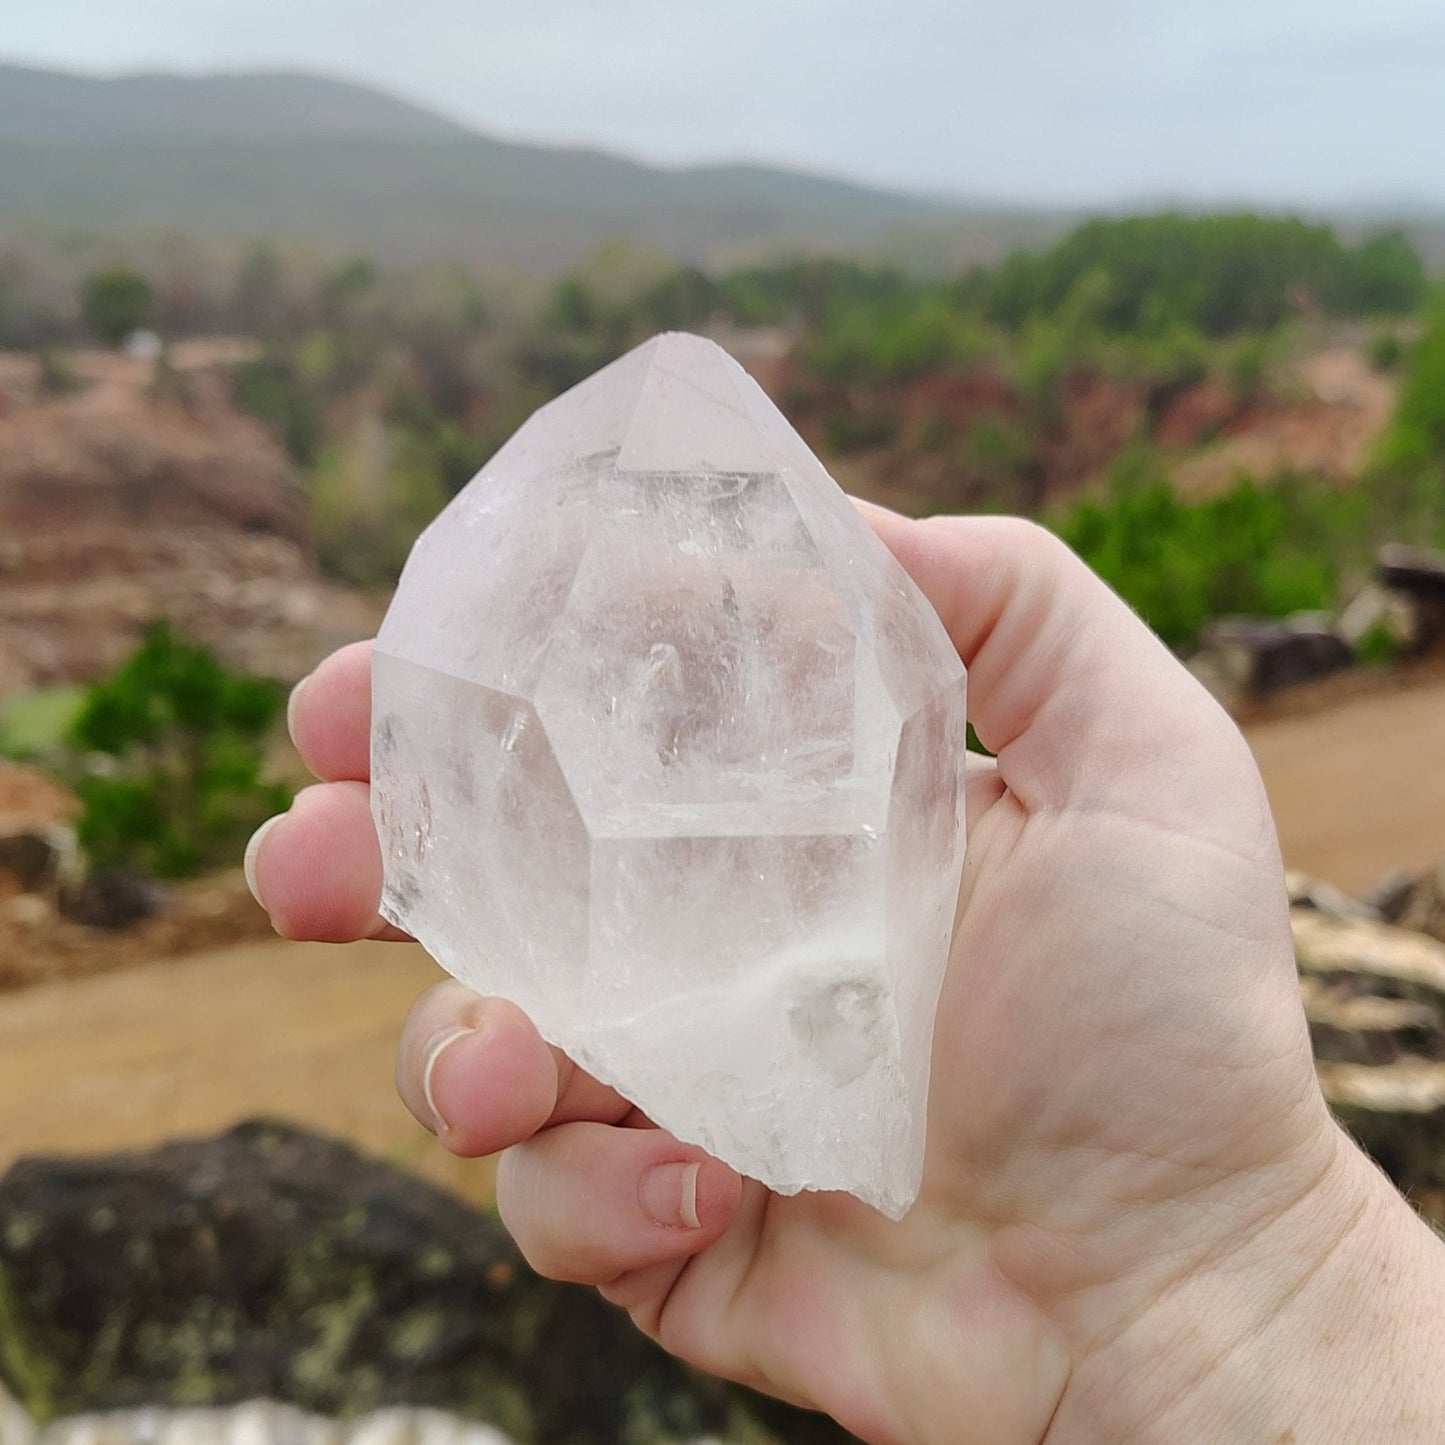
1325	1326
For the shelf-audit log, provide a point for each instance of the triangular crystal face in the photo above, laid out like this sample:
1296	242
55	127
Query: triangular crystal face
669	750
689	416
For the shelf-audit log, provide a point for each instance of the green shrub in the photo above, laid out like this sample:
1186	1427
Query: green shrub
1416	439
115	303
273	388
1386	351
1377	648
1253	550
182	785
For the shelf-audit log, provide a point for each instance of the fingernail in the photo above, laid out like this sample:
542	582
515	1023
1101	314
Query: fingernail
438	1048
668	1194
291	705
253	851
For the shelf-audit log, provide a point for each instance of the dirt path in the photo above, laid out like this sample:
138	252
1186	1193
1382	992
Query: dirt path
191	1045
1360	788
307	1031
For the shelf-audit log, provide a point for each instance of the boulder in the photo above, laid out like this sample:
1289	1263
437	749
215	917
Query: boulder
1322	897
1417	574
1374	996
1380	612
1421	906
113	898
273	1263
36	860
256	1422
38	852
1252	656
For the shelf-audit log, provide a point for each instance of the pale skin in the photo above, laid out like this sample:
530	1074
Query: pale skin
1138	1222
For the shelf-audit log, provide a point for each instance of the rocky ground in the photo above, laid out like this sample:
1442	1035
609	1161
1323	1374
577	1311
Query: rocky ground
1322	412
124	500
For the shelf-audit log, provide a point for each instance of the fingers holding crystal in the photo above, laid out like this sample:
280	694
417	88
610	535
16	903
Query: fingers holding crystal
476	1073
317	869
590	1203
329	716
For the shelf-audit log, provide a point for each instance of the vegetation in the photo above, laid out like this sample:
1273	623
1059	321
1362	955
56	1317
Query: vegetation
389	390
1218	275
181	785
35	724
272	389
115	303
1257	551
1416	442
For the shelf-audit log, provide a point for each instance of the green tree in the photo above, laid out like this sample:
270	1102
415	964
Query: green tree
1416	440
1255	550
1218	274
272	388
114	303
182	785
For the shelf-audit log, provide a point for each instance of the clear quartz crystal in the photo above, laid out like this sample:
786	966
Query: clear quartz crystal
669	750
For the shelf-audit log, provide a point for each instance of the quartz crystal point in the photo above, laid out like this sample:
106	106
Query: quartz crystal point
668	750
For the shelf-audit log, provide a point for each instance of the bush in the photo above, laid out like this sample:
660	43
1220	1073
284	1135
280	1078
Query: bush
115	303
1416	440
273	389
1255	550
182	785
1386	351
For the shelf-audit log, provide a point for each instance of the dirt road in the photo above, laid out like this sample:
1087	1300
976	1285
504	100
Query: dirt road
191	1045
307	1031
1359	789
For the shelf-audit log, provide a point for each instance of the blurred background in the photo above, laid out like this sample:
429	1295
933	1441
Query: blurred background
277	278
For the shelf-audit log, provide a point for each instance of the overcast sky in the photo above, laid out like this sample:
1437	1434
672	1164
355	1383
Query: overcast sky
1092	101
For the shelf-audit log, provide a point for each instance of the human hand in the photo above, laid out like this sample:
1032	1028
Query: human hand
1134	1206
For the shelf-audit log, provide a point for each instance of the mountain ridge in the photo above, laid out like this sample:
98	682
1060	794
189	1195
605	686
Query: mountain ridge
39	104
291	156
346	167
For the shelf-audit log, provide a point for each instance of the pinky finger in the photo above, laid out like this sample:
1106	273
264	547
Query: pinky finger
593	1202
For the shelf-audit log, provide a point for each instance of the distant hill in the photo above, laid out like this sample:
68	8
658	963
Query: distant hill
350	169
53	105
290	156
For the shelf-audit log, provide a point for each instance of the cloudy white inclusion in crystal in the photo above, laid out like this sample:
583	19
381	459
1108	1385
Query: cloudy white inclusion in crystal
668	750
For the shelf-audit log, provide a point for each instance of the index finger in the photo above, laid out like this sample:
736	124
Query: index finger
330	716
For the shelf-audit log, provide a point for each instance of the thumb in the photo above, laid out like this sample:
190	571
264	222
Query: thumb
1083	705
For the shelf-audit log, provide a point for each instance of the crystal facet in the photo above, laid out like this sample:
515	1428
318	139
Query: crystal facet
668	750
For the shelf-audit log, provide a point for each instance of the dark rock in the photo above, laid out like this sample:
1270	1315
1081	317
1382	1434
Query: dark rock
272	1262
1418	574
1263	656
34	861
113	899
1412	569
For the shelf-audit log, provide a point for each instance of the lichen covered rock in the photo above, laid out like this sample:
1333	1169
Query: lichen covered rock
270	1262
